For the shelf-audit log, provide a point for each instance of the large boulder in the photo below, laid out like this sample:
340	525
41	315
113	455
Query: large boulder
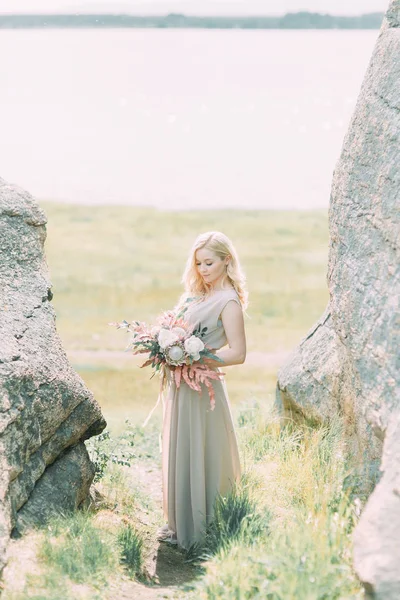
377	537
349	362
46	411
309	380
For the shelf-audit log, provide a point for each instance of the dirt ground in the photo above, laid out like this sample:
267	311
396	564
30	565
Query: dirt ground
165	567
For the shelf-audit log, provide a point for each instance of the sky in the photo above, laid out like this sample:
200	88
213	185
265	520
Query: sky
195	7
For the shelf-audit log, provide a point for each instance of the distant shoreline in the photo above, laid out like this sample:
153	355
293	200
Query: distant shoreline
300	20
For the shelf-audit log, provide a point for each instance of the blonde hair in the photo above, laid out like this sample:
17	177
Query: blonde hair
222	246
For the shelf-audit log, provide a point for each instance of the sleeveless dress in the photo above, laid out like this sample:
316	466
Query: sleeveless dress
200	457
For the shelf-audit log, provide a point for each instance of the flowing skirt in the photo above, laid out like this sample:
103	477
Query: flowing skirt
200	458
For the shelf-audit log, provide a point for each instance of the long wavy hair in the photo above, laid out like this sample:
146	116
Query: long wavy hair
222	246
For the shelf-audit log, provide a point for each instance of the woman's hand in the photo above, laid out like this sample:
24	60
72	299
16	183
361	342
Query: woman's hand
211	362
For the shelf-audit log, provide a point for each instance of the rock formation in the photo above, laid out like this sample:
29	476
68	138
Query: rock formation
349	362
46	411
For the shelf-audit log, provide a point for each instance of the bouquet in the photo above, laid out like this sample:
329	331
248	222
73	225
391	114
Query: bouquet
174	345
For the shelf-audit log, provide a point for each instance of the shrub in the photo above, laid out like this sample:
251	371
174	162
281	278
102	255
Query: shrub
131	546
103	450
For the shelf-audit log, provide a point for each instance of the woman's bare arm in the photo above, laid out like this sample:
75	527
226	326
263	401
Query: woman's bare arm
232	320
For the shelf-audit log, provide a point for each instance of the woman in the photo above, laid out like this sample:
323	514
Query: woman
200	453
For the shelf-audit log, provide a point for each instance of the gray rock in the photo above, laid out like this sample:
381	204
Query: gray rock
350	362
376	539
65	485
45	406
309	380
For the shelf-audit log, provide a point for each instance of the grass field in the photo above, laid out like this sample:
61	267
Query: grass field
110	263
114	263
287	533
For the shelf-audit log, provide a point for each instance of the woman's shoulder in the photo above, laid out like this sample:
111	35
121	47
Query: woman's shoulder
224	296
229	292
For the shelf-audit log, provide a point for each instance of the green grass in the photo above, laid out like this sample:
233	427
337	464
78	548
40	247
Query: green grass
48	586
110	263
75	547
295	478
80	554
285	531
131	547
237	519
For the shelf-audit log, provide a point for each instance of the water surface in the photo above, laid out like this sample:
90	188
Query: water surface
178	118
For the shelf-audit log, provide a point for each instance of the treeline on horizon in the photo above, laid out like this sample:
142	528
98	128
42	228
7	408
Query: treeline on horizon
300	20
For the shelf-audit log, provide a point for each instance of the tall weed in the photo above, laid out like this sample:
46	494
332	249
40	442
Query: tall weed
131	549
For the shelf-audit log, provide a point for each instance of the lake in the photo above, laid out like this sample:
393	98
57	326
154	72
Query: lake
178	118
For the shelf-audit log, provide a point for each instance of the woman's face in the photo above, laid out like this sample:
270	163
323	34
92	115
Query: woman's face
210	266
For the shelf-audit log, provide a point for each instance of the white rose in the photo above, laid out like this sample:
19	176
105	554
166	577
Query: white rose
166	337
179	331
194	346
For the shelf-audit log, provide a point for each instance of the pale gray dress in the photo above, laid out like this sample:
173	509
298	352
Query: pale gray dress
199	446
